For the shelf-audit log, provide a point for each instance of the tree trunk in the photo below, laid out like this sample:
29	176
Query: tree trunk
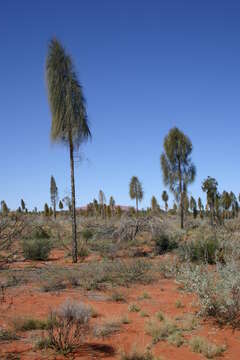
73	207
137	204
54	210
181	193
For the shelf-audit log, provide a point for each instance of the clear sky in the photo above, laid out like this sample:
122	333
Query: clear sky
146	66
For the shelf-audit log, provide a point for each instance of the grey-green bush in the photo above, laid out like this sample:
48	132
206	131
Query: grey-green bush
37	249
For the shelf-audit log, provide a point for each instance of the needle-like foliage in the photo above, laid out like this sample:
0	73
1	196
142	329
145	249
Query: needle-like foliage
177	167
135	190
69	117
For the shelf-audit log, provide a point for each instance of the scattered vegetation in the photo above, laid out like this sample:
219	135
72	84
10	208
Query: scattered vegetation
202	346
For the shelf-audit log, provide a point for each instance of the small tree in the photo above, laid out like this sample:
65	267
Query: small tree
4	208
154	204
23	206
193	206
209	186
135	190
54	194
102	202
165	199
112	204
178	169
46	209
60	205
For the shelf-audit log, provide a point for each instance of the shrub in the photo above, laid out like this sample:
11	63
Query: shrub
39	233
82	251
87	234
218	291
7	335
27	324
199	250
133	308
37	249
163	244
135	354
161	330
67	326
117	296
202	346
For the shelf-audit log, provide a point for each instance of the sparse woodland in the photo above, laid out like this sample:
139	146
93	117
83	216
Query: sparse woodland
90	276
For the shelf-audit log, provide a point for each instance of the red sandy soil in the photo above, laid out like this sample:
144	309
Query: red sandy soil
29	301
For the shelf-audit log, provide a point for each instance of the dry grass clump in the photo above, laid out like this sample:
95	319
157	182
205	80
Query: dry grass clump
133	307
27	324
107	328
202	346
161	330
7	335
135	354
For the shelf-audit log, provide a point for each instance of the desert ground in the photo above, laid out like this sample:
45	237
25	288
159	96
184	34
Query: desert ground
148	293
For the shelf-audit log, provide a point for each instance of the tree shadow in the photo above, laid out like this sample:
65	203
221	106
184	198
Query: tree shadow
96	351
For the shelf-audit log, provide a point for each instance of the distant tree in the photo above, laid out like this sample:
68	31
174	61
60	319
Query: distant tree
200	207
226	200
46	209
209	186
154	205
53	194
69	117
35	210
165	199
178	169
102	202
4	208
23	206
96	207
19	209
119	211
193	206
60	205
109	211
112	204
50	211
135	190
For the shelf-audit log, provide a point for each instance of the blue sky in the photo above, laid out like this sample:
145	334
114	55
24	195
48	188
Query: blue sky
146	66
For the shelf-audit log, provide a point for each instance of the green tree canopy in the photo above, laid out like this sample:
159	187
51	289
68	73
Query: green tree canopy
177	167
135	190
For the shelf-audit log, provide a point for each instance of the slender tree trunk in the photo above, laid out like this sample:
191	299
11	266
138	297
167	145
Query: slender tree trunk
181	194
137	204
54	210
73	207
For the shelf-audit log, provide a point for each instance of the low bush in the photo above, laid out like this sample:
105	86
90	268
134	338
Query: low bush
87	234
203	346
163	244
37	249
199	250
27	324
135	354
7	335
218	291
67	327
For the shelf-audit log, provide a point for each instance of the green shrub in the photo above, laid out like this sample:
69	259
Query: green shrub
163	244
203	346
199	250
37	249
86	234
39	233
